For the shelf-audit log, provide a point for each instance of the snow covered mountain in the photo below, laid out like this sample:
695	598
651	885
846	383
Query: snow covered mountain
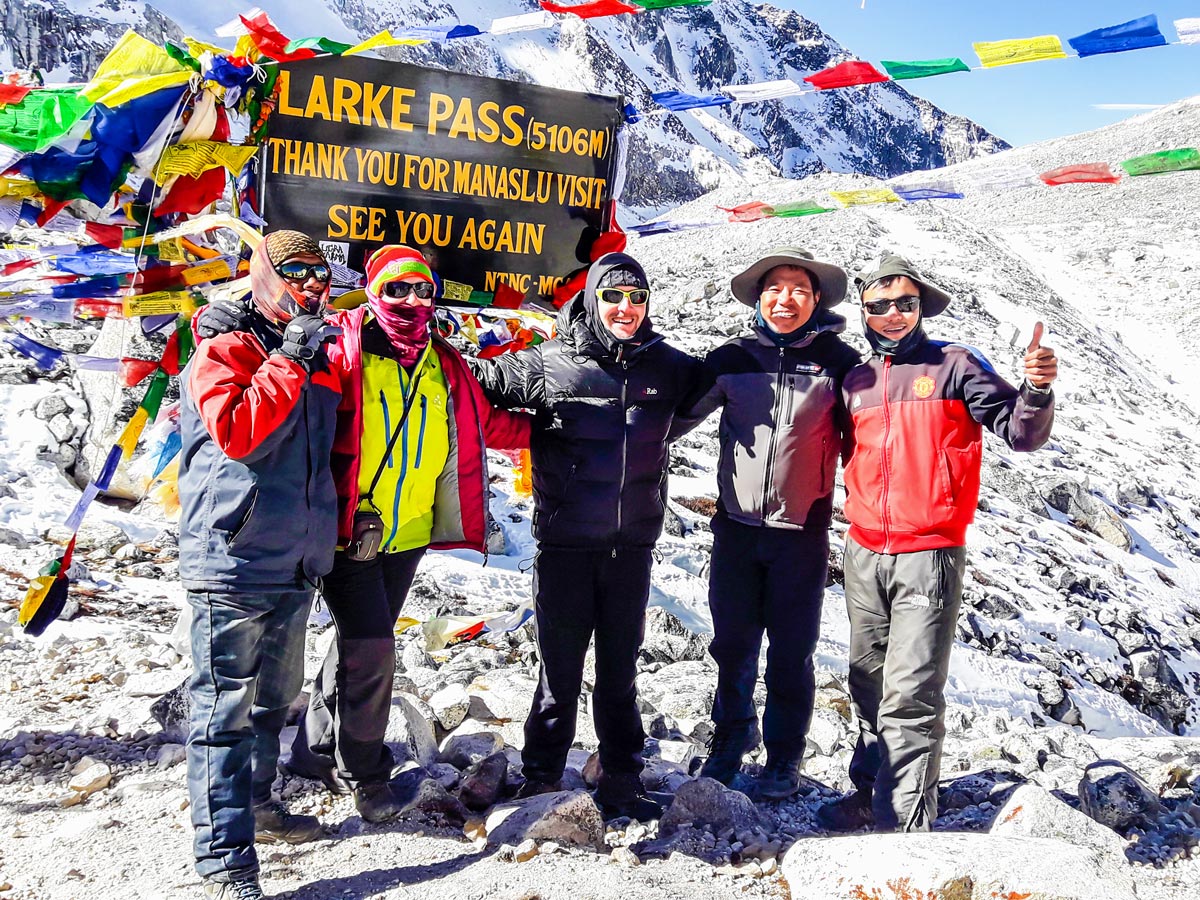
879	130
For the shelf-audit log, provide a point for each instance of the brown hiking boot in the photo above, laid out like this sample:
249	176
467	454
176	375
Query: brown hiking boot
273	822
850	813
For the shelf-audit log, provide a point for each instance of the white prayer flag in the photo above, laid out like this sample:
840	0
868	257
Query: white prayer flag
525	22
1188	30
763	90
1004	177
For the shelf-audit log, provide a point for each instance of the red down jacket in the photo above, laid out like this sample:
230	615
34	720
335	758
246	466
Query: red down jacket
913	481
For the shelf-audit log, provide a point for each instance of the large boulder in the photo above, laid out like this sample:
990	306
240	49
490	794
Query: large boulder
684	690
1073	499
953	866
501	696
1113	795
411	726
565	817
705	802
1033	812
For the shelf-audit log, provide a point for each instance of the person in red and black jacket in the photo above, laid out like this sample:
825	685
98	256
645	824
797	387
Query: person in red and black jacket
258	527
918	408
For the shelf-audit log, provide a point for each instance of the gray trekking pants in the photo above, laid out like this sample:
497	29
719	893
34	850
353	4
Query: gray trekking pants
903	608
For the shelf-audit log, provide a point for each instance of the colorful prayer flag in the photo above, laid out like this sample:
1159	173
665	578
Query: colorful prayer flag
1163	161
865	197
45	115
195	157
1003	177
796	209
846	74
1019	50
747	212
928	190
317	45
134	68
13	93
132	431
45	357
592	10
923	68
1132	35
763	90
670	4
159	303
1081	173
533	21
668	227
269	41
384	39
1188	30
679	101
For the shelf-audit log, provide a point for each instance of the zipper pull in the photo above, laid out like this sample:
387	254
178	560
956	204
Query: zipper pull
614	555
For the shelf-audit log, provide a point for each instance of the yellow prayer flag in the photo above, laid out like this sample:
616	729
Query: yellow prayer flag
404	623
1019	50
468	329
38	589
245	48
213	270
133	68
18	187
199	225
865	197
129	437
159	303
196	47
195	157
456	291
171	251
384	39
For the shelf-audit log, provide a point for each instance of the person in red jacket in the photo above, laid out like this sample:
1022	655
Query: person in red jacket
918	408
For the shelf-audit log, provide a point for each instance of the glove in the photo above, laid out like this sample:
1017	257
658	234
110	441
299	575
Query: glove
222	317
304	341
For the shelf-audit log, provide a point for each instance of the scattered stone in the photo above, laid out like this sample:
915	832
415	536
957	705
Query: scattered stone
423	796
525	851
450	705
1033	812
566	817
172	710
169	755
706	802
501	696
684	690
1090	513
623	856
484	783
95	777
1113	795
464	750
668	640
413	728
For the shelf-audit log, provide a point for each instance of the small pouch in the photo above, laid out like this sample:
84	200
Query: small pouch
366	536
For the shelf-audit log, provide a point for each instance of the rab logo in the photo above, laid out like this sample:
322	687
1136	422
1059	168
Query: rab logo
650	392
923	386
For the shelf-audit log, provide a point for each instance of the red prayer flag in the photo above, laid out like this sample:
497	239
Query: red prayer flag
132	371
50	210
13	93
846	74
506	296
270	41
95	308
573	285
608	242
592	10
13	268
110	236
1081	173
747	212
159	278
192	193
170	357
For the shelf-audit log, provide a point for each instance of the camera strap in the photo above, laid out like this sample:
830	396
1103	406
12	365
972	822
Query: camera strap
408	405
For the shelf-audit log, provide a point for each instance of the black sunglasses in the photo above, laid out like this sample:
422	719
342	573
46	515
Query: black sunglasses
398	290
298	271
636	296
880	307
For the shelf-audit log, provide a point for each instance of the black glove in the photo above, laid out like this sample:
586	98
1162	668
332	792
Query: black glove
222	317
304	340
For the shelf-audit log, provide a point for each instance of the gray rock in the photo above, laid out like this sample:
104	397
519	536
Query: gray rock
826	732
172	710
50	406
1114	795
464	750
1033	812
707	802
413	656
1088	512
953	866
684	690
565	817
425	797
483	784
411	724
668	640
450	705
1012	485
501	696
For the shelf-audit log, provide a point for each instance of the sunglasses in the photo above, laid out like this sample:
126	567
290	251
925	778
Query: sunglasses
298	271
880	307
399	290
636	296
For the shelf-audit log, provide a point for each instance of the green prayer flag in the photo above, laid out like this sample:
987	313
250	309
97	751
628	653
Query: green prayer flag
798	208
320	44
187	341
43	116
152	402
481	298
1164	161
181	56
668	4
924	68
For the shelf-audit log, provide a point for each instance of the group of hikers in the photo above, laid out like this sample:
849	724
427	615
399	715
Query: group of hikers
331	448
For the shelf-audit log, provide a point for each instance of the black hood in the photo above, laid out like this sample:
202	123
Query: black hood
591	305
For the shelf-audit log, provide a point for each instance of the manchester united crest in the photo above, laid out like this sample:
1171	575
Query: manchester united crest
923	387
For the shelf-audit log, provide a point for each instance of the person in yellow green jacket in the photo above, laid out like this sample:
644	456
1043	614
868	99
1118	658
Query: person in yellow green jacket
411	473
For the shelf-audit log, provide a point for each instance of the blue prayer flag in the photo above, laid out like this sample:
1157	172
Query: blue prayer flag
679	101
1132	35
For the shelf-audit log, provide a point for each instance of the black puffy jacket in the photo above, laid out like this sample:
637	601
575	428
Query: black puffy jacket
603	413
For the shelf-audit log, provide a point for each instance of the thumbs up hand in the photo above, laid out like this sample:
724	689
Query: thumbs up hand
1041	365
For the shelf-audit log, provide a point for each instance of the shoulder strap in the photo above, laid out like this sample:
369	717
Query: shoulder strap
412	396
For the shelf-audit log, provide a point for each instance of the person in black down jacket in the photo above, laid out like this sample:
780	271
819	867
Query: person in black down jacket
782	428
605	394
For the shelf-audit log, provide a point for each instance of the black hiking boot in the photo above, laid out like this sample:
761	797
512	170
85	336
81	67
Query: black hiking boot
850	813
241	889
273	822
780	778
624	795
725	752
535	786
329	777
376	802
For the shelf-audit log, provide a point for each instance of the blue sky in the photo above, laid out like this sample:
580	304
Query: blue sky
1028	102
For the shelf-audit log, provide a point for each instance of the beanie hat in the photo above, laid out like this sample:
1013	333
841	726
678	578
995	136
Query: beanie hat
619	275
283	245
392	262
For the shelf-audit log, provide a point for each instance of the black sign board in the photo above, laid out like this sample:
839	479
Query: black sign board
495	181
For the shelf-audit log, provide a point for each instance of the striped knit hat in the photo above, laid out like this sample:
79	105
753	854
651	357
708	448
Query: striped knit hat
283	245
392	262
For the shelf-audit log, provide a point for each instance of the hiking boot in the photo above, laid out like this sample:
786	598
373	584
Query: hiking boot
850	813
376	802
624	795
779	779
725	752
534	786
242	889
273	822
332	780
